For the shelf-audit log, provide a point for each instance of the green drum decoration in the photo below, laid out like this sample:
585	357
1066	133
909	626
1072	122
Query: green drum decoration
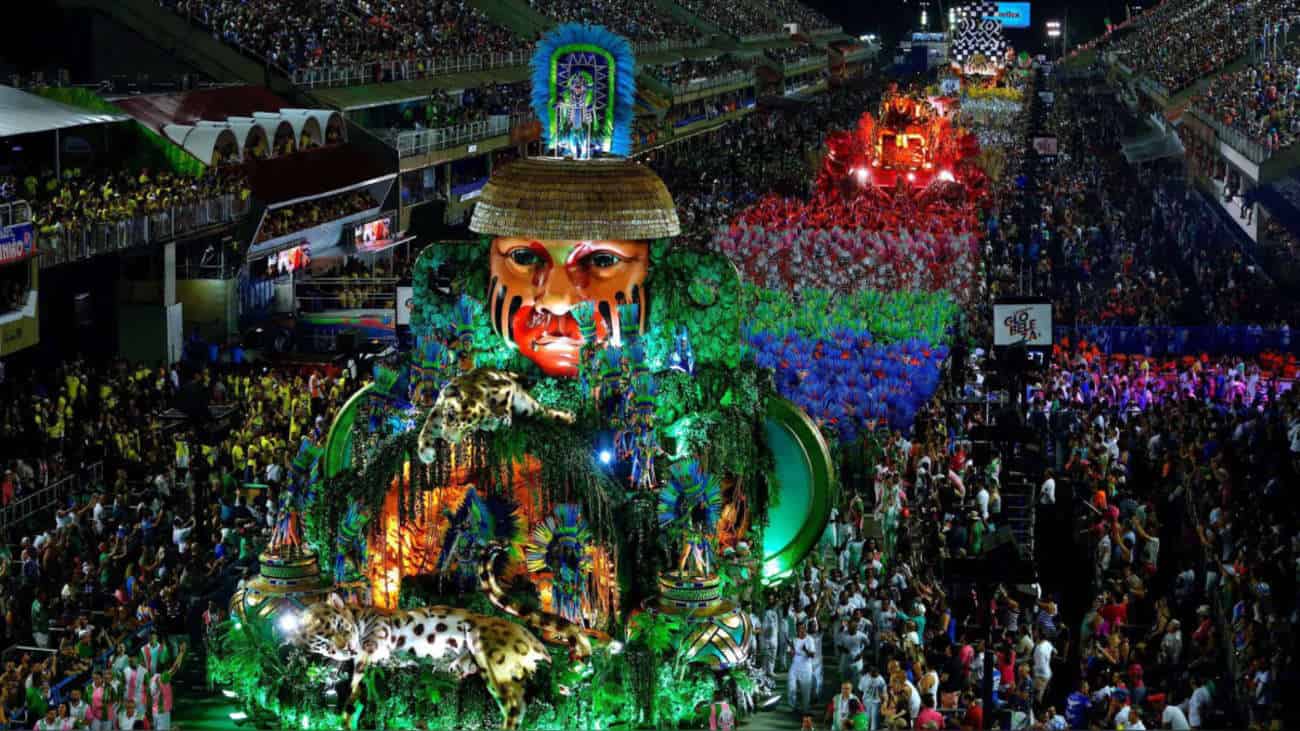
721	641
805	476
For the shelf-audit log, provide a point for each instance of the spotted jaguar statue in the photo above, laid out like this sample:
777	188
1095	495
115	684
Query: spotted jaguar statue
506	652
484	398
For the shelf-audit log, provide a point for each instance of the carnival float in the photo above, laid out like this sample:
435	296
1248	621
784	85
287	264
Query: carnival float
562	509
557	514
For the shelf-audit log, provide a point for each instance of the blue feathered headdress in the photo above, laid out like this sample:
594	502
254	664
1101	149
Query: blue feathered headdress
690	486
584	88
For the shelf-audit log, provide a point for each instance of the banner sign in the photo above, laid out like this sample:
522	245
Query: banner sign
1045	146
16	242
1011	15
1022	324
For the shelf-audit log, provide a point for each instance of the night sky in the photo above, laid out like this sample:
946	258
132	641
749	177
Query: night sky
893	18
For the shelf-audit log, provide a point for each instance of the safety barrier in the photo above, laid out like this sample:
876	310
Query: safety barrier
48	496
422	141
646	48
59	246
1153	88
319	294
694	85
1254	151
379	72
803	64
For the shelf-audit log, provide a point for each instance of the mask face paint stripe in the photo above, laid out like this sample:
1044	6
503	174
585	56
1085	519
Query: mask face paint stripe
607	313
516	304
640	299
494	301
499	309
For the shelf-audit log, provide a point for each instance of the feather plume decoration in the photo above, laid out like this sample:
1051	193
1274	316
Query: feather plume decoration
688	487
584	89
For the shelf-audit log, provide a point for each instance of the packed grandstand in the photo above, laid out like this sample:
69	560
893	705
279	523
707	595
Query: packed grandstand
808	387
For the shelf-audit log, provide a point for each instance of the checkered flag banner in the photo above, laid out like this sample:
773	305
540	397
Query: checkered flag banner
978	32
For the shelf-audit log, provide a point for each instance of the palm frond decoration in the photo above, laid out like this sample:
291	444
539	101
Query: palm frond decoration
464	324
629	322
585	314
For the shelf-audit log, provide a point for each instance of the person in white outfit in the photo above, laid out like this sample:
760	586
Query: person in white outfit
874	692
819	672
770	640
799	680
851	640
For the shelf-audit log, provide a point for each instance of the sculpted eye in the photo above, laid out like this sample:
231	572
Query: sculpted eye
604	260
525	257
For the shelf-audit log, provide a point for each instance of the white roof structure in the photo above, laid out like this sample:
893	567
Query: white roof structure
204	140
23	113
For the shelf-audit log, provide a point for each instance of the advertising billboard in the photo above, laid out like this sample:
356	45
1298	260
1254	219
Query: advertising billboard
16	243
1011	15
1025	323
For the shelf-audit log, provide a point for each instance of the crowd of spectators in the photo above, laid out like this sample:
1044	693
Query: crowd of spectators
793	11
690	69
302	216
638	22
116	588
1259	101
1188	454
746	18
1118	245
1181	41
1161	480
297	35
80	199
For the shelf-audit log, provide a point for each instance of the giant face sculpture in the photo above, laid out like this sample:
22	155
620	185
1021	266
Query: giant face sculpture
536	284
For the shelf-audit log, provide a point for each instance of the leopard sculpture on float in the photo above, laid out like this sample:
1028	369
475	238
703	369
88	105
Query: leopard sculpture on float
507	653
484	398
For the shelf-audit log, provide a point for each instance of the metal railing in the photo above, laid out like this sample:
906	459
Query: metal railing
59	246
647	47
423	141
760	37
803	64
47	497
321	294
689	87
1152	87
1254	151
378	72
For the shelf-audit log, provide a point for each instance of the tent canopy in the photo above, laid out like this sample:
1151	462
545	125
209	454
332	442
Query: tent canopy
23	113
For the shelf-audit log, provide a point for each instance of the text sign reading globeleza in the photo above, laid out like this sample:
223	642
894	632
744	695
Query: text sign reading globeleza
1022	324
